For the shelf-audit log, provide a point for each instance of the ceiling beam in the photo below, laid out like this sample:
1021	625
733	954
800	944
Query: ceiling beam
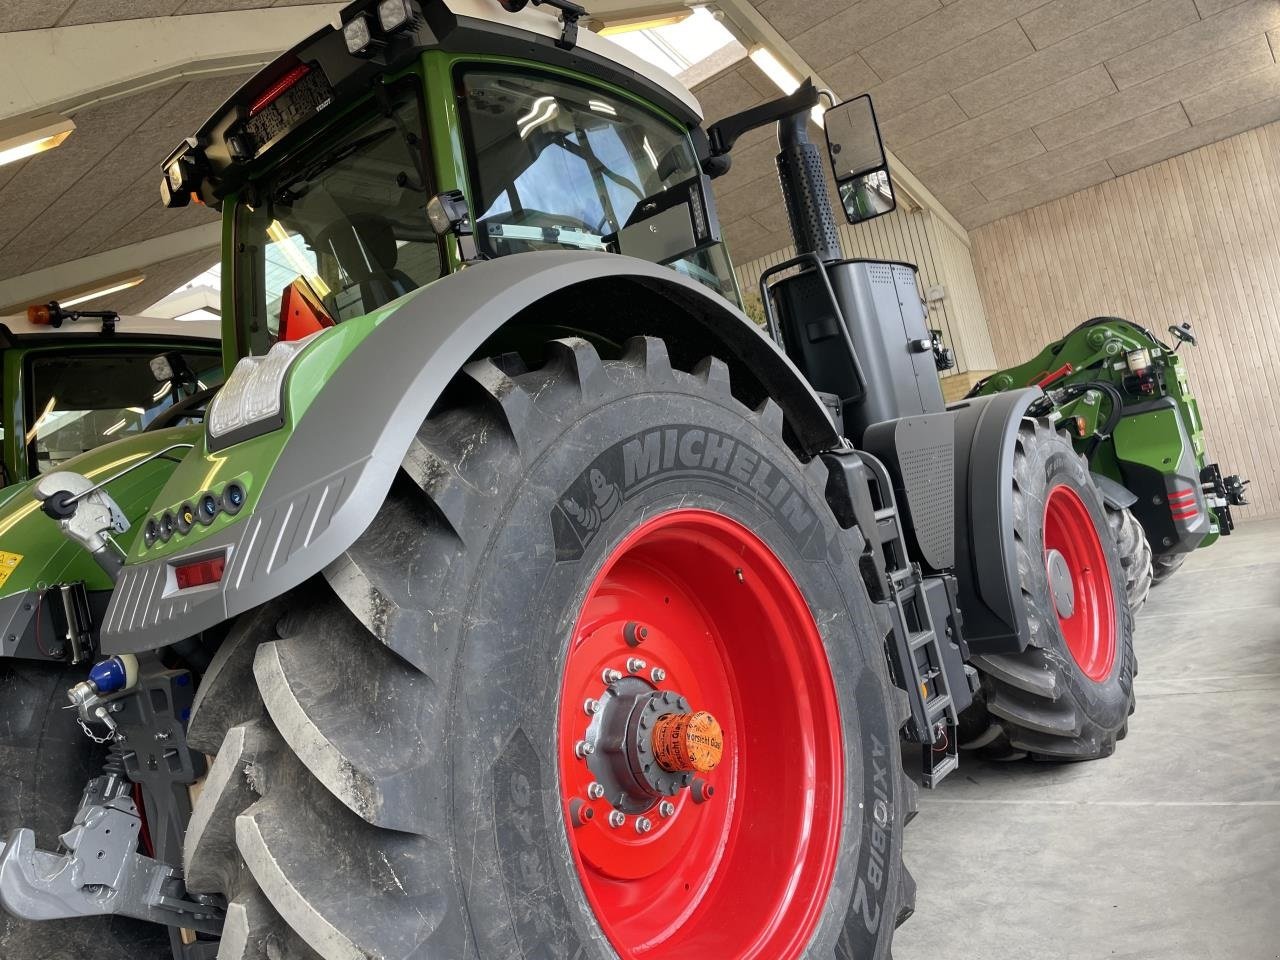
102	61
42	285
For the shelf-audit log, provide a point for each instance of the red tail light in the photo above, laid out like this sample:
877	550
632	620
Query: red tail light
198	573
272	92
1183	505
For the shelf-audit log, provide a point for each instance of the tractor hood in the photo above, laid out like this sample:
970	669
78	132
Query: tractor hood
33	551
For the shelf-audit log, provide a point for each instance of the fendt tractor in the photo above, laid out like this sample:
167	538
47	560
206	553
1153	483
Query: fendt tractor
566	613
92	392
1127	403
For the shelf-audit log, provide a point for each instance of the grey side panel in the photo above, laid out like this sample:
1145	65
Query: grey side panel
995	619
339	462
1114	494
16	614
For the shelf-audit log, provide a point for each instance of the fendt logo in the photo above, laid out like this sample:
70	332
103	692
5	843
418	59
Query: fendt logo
679	450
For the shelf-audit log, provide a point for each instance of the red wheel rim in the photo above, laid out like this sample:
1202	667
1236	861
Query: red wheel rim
745	873
1082	592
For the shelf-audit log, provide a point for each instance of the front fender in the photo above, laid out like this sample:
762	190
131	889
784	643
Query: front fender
995	618
335	467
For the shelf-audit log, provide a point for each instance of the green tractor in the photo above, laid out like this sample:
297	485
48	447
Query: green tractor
558	610
1123	397
100	395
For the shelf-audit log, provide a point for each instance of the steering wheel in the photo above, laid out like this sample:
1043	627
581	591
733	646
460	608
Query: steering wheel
1184	333
182	409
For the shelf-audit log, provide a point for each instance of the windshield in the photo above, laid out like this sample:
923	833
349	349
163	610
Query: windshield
560	165
78	402
337	233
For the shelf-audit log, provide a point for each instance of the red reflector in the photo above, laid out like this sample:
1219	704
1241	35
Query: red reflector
199	573
279	87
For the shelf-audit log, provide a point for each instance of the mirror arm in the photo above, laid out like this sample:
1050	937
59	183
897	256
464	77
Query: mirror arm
725	133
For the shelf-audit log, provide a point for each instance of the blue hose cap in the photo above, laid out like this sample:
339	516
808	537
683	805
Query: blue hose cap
114	673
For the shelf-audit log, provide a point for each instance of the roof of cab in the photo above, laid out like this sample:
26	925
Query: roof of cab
18	327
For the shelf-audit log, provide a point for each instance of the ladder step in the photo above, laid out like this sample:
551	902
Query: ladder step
939	706
920	639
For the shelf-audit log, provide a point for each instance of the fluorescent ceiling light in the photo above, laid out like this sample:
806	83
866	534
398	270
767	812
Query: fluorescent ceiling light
26	137
775	70
631	24
114	286
782	77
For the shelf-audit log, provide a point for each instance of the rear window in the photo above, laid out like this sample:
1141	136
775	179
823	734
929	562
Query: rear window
78	402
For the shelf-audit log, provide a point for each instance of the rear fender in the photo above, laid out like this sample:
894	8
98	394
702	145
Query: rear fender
335	468
995	619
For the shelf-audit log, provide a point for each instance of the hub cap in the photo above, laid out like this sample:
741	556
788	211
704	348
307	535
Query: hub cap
699	727
1080	582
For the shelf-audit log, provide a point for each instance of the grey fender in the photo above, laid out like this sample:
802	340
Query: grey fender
343	454
995	619
1114	493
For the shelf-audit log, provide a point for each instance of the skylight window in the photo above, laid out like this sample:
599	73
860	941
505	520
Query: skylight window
691	49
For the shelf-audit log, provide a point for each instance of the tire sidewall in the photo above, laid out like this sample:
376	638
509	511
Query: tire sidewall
540	562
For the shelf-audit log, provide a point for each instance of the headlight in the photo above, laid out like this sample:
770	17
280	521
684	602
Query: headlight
251	402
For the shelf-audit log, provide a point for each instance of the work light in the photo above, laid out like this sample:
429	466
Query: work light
393	14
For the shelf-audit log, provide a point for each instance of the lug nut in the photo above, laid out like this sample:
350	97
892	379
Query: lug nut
702	791
617	818
658	674
611	675
643	826
591	706
635	634
666	809
584	748
595	790
579	812
635	665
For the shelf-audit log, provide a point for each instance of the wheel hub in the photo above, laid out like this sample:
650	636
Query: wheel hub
645	744
1064	593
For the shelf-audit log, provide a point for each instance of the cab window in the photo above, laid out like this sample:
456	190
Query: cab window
337	232
562	166
76	402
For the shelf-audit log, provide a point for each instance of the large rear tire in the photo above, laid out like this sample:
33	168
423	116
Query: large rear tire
1135	555
424	754
1068	696
45	761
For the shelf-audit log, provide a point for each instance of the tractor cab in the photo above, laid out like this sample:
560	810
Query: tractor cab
368	162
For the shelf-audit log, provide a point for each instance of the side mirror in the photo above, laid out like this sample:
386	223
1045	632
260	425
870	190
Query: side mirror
857	160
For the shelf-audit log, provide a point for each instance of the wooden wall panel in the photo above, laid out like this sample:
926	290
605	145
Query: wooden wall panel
1194	238
942	257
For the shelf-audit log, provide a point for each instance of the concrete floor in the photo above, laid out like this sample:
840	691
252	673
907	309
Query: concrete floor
1170	849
